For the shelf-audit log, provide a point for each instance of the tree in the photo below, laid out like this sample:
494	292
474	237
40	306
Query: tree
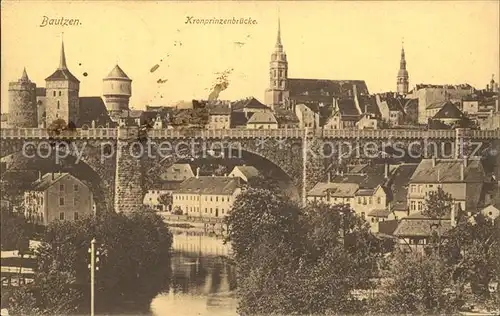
166	199
136	272
472	250
57	126
295	260
416	284
15	231
438	204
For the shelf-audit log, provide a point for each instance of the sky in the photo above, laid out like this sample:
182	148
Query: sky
445	42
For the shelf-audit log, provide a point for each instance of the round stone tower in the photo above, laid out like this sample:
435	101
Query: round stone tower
117	90
22	103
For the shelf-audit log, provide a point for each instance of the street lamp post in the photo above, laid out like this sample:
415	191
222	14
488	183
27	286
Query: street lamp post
94	258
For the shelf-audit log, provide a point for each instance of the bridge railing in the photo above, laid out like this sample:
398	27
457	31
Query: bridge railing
44	133
112	133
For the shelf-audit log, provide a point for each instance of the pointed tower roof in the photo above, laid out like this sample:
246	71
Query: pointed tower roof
402	64
117	72
62	72
62	60
278	38
24	76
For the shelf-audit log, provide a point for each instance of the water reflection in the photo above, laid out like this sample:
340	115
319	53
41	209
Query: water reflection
203	281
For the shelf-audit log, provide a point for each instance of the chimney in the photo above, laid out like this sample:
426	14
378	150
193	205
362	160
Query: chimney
386	173
197	172
53	176
39	175
466	161
329	177
461	172
342	173
433	162
356	101
439	176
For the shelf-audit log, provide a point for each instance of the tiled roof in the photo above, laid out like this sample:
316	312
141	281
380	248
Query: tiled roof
417	225
248	103
395	104
47	181
335	189
94	109
463	86
399	186
372	177
62	74
209	185
219	109
117	72
437	105
248	171
370	104
175	171
448	170
449	111
365	192
380	213
131	114
347	108
239	119
166	185
324	88
40	92
262	118
284	116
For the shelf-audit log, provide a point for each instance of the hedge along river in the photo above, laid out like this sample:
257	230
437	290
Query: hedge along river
203	281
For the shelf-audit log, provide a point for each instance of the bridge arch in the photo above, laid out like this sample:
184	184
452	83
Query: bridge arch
266	165
56	160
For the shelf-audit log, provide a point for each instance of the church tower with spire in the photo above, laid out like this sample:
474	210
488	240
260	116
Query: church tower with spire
62	89
22	103
278	74
403	79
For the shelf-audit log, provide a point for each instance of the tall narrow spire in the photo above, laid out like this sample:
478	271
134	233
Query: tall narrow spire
62	61
278	38
403	60
24	76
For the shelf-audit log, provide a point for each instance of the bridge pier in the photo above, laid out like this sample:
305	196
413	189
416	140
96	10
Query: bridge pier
129	184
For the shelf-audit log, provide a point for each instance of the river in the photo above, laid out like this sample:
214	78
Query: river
203	282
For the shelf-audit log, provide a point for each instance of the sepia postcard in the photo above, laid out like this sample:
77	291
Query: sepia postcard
222	158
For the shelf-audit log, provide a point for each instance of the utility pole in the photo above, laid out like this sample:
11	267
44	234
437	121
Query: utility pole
304	168
94	258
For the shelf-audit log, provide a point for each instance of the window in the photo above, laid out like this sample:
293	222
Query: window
413	205
373	220
74	200
210	210
61	187
205	209
359	200
370	201
60	93
61	201
58	104
57	115
216	199
61	216
379	200
420	205
75	216
75	187
54	93
413	188
210	201
363	214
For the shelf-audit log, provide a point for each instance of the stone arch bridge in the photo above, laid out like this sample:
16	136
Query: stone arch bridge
121	163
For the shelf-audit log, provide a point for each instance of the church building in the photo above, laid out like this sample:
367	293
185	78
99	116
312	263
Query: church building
285	91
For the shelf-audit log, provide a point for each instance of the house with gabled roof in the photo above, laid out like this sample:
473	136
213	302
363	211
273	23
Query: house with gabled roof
57	196
262	120
462	178
246	173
